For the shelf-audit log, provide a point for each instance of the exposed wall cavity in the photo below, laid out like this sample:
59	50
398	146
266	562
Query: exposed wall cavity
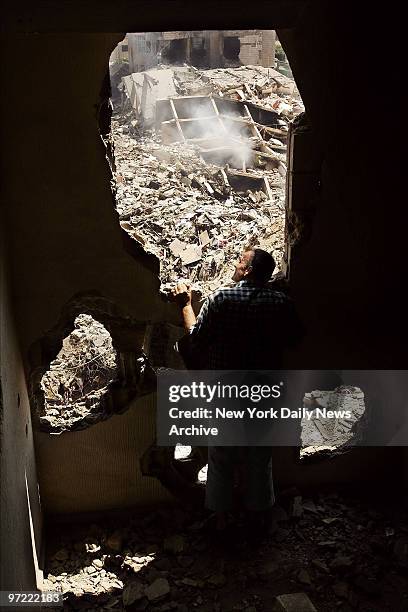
96	367
79	377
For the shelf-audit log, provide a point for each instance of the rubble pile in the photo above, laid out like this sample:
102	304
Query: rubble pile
265	87
327	552
184	210
79	377
320	433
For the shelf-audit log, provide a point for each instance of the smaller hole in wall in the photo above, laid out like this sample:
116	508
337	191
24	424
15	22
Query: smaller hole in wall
18	400
26	430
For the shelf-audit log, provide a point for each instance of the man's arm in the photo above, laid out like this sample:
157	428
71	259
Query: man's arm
182	293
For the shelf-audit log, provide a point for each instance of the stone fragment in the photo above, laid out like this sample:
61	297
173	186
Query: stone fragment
158	589
293	602
191	254
330	520
310	506
132	592
204	238
177	247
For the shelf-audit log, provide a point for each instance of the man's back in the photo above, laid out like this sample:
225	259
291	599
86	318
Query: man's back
245	327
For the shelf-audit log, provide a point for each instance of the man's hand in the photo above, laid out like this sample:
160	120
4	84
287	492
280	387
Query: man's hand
182	294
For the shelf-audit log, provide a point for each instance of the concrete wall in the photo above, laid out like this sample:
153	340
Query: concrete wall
20	513
141	57
99	468
251	47
64	232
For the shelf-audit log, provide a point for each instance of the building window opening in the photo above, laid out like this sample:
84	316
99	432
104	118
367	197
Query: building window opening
200	152
78	380
232	48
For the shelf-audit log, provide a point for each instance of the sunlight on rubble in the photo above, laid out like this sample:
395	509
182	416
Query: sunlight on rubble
79	377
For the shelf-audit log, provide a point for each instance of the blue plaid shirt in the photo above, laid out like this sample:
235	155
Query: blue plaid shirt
245	327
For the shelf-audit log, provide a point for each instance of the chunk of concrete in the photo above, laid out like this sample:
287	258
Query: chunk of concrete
293	602
158	589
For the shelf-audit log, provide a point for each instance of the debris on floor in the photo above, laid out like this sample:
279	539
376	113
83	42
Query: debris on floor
167	560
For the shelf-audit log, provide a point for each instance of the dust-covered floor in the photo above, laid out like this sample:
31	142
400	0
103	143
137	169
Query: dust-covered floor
344	552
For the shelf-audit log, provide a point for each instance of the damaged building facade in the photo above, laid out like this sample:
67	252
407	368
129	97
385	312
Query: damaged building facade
66	254
211	49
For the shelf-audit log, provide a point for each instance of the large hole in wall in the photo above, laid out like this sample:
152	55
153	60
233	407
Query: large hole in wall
200	153
200	168
89	366
79	377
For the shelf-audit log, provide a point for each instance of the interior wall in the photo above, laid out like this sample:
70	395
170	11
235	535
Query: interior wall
63	232
20	514
99	468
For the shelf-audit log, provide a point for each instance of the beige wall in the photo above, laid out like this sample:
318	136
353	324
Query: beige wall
99	468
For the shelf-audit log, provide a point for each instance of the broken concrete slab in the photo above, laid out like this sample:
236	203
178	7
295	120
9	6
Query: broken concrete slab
293	602
158	589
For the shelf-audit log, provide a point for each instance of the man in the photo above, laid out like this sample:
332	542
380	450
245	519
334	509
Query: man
245	327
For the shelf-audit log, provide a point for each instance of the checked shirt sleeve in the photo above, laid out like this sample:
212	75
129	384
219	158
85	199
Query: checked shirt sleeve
204	330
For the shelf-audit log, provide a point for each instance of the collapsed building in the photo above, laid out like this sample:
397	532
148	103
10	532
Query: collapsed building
65	254
208	177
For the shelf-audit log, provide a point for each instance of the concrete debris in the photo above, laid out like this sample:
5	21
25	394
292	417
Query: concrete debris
158	589
132	592
293	602
304	577
197	228
79	376
224	130
150	571
211	179
321	433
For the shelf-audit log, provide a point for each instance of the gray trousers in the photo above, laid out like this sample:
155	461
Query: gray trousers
256	482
